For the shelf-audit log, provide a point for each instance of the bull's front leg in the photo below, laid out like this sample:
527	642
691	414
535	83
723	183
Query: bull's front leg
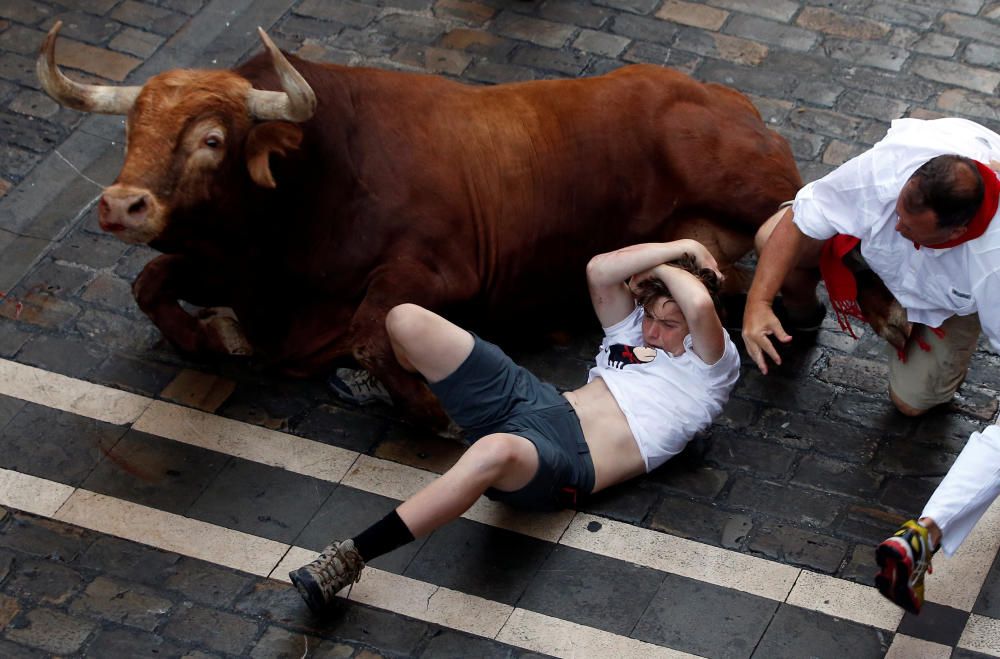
165	281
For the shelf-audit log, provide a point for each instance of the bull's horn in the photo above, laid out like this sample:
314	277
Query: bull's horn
86	98
296	103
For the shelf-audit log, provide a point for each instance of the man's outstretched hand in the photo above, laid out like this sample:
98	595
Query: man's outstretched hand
759	325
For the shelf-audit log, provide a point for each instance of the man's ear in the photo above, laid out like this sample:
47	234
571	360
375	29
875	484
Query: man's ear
278	137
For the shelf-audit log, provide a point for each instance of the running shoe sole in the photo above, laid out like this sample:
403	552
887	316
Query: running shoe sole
894	579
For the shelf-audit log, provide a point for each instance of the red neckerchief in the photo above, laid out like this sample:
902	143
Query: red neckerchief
840	283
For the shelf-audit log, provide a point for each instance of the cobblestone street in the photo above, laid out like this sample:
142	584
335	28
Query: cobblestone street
151	504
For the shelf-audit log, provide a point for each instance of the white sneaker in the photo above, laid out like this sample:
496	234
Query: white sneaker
358	386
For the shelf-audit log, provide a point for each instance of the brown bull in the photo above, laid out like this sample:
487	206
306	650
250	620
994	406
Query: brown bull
311	198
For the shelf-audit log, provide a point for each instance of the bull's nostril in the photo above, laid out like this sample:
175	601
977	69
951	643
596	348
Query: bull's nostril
137	207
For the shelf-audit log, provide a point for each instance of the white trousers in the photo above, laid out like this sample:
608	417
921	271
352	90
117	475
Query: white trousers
968	489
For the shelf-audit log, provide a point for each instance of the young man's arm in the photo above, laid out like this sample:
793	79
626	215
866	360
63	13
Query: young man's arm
607	274
708	337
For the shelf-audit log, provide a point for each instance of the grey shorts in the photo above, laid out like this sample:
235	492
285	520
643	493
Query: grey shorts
489	394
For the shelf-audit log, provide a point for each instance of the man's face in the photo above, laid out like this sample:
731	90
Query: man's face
664	326
920	227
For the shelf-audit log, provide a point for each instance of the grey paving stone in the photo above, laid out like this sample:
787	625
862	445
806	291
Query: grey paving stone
217	630
128	561
83	27
58	278
340	427
645	29
348	512
356	623
784	502
907	458
64	355
155	472
736	450
277	602
45	582
260	500
689	477
36	536
908	493
961	653
13	651
591	590
837	476
52	631
480	560
988	602
117	333
936	623
533	30
706	523
949	432
27	13
125	642
8	408
834	439
56	445
205	583
146	378
807	396
703	619
575	13
627	502
123	603
136	42
279	643
347	13
796	632
635	6
447	644
861	566
94	251
816	551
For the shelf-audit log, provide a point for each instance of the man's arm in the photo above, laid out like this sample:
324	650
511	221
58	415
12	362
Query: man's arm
780	254
707	334
607	274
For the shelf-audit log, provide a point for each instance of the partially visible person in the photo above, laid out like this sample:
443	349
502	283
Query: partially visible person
916	211
664	370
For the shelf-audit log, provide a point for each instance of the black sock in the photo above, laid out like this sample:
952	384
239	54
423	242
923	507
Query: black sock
383	536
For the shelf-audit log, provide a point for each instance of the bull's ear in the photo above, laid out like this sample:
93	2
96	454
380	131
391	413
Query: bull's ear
278	137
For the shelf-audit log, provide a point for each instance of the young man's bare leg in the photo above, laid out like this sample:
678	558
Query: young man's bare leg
425	342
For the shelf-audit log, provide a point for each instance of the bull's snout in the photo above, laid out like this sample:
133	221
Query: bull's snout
129	213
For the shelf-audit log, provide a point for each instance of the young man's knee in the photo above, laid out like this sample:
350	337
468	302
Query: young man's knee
405	322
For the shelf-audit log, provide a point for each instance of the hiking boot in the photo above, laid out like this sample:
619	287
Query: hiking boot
358	386
337	566
904	558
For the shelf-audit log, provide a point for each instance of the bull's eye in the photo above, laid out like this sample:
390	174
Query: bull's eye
213	141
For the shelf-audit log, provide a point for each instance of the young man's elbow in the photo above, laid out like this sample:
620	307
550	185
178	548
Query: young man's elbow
597	273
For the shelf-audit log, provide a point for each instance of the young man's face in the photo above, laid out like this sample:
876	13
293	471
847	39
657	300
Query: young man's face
664	326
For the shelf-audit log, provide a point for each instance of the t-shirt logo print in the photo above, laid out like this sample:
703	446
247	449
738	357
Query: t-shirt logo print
621	355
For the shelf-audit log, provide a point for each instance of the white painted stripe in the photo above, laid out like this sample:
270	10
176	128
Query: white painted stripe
384	590
31	494
400	482
560	638
907	647
70	395
247	441
687	558
957	580
182	535
844	599
982	634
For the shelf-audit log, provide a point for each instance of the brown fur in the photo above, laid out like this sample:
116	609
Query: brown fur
478	202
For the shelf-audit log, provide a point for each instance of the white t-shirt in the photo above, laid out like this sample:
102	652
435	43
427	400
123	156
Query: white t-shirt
665	399
859	199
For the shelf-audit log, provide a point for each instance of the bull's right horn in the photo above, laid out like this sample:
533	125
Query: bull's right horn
298	100
104	99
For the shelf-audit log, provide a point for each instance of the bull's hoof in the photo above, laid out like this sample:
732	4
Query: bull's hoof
224	332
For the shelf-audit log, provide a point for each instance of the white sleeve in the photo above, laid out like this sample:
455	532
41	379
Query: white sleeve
987	294
626	329
841	201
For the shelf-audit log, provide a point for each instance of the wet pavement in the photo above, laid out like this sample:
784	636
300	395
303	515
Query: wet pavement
154	502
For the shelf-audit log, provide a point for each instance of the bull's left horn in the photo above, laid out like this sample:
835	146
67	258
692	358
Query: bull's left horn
296	103
86	98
